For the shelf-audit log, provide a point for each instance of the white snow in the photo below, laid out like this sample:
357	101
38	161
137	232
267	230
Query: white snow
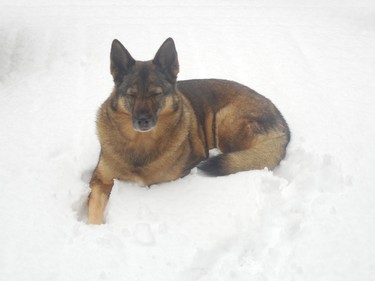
313	218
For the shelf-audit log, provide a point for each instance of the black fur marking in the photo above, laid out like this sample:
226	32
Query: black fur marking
214	130
140	161
214	166
143	76
114	103
264	123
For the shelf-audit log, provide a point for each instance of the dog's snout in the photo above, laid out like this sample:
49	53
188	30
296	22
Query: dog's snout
143	122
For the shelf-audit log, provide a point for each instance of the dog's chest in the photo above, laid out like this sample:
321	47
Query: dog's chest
148	164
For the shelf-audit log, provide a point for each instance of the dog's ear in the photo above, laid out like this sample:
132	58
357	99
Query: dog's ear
166	59
121	61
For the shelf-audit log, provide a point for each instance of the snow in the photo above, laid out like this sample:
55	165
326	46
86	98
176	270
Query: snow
313	218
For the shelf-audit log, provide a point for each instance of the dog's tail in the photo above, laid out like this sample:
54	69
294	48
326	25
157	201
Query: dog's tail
266	151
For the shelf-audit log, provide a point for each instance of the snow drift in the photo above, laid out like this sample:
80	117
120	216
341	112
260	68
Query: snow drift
313	218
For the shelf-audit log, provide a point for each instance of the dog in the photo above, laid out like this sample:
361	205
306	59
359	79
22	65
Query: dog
153	129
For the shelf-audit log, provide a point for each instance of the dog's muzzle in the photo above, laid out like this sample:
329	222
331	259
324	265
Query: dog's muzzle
143	123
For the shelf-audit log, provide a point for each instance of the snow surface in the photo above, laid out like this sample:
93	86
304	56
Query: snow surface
313	218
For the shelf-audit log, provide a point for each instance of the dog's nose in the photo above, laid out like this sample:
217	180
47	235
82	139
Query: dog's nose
143	122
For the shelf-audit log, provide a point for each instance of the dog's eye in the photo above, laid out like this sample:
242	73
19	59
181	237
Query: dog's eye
156	94
131	92
130	95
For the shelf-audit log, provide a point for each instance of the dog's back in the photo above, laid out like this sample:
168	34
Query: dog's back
247	128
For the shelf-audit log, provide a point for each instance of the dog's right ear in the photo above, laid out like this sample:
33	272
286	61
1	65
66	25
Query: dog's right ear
121	61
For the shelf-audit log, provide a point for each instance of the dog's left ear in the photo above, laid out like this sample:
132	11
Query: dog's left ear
166	58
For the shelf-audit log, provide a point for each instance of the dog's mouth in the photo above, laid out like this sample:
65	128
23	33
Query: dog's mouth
143	124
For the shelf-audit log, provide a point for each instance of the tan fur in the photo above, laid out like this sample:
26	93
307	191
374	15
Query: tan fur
116	132
192	117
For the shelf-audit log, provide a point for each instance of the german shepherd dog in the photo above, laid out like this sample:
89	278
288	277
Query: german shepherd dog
153	129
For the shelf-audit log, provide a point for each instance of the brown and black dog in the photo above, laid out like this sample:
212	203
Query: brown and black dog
153	129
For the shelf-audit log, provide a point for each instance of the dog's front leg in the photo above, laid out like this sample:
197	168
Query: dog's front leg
101	187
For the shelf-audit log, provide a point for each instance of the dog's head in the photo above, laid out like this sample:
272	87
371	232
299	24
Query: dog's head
145	89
